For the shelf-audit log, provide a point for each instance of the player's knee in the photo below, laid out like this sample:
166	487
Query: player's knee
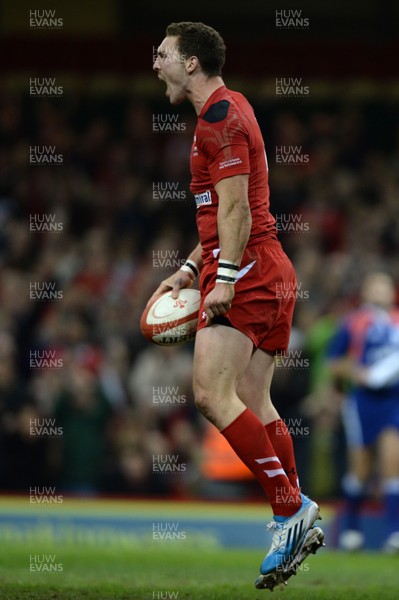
249	394
253	396
244	392
202	398
202	402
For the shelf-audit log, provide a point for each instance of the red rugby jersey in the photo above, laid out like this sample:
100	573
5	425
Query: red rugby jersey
228	142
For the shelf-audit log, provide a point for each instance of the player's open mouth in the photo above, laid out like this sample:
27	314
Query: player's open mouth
162	79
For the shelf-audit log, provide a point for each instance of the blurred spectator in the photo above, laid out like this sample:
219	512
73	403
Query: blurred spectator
91	229
24	456
83	413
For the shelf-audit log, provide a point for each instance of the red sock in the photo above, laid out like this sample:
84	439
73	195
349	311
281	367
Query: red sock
281	441
249	440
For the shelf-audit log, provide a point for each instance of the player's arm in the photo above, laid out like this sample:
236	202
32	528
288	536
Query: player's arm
342	368
234	227
341	364
383	372
183	278
234	217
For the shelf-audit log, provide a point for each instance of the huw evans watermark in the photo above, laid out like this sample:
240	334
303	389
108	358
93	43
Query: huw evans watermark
45	19
287	494
168	532
44	290
291	223
45	223
284	563
167	463
44	495
45	87
44	563
173	332
167	123
291	155
291	87
290	359
167	259
165	595
163	191
291	19
168	395
169	55
295	427
45	427
45	155
291	291
45	359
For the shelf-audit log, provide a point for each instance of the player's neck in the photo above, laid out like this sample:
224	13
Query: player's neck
202	89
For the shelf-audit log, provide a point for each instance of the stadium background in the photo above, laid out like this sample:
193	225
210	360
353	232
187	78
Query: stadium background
119	401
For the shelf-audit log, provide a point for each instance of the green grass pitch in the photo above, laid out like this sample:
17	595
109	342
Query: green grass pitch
173	571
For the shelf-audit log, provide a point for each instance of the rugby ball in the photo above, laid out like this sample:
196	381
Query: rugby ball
169	321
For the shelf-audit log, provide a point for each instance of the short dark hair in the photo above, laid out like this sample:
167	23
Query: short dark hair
197	39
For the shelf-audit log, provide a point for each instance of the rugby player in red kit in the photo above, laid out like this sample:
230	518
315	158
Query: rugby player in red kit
243	321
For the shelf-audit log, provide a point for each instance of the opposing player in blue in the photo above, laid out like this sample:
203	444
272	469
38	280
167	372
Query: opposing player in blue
365	352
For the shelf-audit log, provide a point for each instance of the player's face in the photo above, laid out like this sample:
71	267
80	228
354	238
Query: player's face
169	65
379	289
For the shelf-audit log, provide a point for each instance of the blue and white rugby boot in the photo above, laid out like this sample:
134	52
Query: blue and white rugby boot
294	538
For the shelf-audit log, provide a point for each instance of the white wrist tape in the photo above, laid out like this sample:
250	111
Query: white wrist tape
190	266
227	272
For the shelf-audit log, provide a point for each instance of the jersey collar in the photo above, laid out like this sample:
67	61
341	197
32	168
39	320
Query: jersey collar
211	99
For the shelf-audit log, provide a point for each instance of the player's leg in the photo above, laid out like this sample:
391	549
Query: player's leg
254	390
360	461
388	450
222	355
277	272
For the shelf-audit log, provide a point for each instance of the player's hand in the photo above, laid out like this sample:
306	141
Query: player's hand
360	376
181	279
218	301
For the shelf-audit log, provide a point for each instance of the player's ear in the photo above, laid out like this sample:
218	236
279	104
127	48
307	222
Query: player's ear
191	64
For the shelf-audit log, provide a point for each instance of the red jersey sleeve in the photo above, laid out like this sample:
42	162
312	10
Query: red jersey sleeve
225	145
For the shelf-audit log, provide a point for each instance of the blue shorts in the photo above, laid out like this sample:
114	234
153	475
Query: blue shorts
365	417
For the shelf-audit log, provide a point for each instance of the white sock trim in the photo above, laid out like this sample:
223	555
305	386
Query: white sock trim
275	472
261	461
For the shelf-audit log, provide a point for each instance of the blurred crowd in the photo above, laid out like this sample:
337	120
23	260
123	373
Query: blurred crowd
86	403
